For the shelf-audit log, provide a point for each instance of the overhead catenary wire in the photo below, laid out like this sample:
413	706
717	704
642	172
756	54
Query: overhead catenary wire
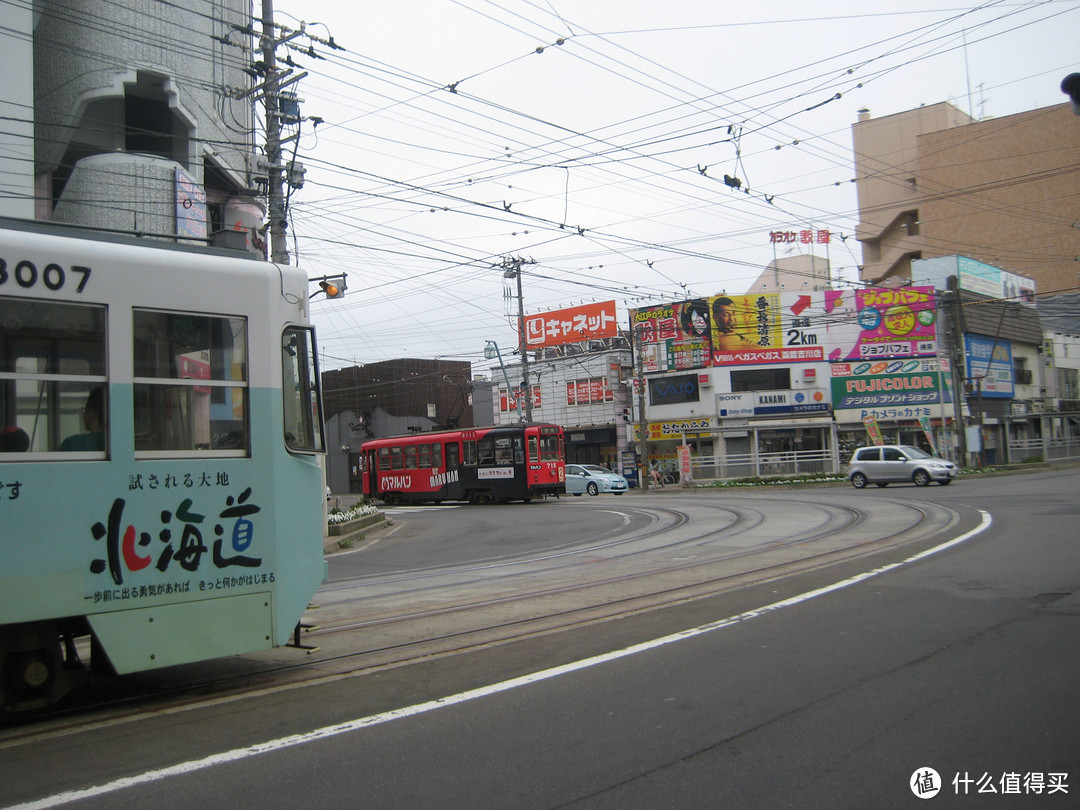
386	207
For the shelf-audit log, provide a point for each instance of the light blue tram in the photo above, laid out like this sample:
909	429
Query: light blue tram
161	488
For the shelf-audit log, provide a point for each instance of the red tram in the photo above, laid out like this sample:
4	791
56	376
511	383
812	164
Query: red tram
478	465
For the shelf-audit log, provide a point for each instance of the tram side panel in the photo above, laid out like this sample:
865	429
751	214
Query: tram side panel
413	469
478	465
193	541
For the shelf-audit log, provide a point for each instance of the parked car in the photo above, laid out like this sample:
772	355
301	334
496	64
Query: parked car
893	463
591	478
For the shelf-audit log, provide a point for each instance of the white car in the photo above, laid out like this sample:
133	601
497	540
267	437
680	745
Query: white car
896	463
591	478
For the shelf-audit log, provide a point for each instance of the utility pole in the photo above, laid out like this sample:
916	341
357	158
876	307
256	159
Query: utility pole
275	203
512	269
643	428
956	346
270	90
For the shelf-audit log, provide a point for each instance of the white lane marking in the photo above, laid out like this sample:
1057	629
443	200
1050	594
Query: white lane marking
463	697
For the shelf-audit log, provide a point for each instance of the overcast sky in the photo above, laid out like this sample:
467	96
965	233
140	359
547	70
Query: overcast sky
593	137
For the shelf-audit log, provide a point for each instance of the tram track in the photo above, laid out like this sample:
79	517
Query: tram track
654	586
699	551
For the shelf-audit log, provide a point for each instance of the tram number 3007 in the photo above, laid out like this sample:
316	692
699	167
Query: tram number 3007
52	275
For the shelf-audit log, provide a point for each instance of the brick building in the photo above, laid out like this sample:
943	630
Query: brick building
934	182
389	398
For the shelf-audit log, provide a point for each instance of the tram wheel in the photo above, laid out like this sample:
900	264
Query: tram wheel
35	672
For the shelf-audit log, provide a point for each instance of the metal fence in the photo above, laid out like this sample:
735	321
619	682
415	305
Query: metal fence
1058	437
762	465
1061	449
1060	442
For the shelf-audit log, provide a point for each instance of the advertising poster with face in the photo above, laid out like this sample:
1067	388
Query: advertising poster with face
745	328
673	337
770	327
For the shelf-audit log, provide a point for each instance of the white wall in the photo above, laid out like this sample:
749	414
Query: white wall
16	108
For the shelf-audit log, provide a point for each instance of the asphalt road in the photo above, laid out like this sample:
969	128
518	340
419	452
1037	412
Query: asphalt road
964	661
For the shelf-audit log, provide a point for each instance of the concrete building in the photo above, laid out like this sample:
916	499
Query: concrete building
17	112
802	273
934	182
141	122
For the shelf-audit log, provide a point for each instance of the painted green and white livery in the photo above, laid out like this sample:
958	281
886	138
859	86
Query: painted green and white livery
161	491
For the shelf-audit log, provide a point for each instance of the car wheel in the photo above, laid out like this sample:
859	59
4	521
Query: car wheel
858	480
921	478
593	489
882	484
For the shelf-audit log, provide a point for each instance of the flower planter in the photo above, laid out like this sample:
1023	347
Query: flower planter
355	525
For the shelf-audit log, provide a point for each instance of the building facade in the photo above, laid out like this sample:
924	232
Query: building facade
788	383
144	120
934	182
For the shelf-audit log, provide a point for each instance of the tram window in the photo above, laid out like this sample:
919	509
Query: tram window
424	456
300	391
470	455
485	451
534	449
395	459
190	389
503	450
551	448
52	355
436	455
452	454
410	457
384	458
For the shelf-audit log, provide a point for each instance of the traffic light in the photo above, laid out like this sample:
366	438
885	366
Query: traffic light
1070	86
626	414
333	286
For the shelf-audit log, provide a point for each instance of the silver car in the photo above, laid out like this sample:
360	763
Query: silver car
591	478
895	463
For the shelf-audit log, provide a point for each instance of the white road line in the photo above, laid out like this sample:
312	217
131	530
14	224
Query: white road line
463	697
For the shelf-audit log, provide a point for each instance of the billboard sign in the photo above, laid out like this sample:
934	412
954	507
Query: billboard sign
834	325
674	390
889	390
673	337
879	324
770	327
989	366
571	325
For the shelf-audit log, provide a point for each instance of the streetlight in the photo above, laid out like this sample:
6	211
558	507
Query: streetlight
491	351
